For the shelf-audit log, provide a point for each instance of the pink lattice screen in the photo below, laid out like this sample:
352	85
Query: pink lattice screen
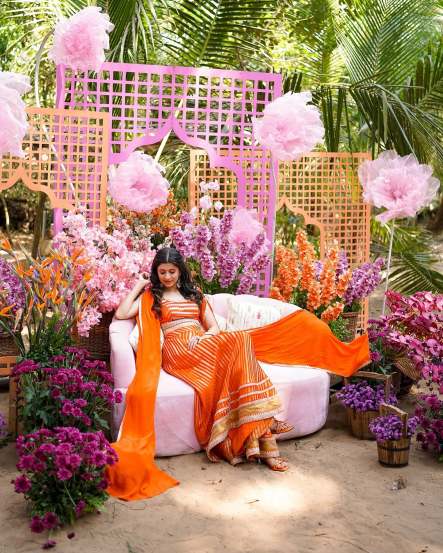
66	156
321	187
205	108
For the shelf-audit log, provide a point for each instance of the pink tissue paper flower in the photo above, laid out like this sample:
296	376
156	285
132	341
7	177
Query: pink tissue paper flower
13	123
245	226
398	183
289	126
138	183
80	41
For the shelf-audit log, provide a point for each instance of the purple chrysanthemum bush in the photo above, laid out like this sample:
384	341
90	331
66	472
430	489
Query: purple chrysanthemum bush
361	396
64	404
69	390
390	427
226	253
62	474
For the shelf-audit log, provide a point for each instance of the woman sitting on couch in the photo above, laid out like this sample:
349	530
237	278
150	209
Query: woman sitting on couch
235	402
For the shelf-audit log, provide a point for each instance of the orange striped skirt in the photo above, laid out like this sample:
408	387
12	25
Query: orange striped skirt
235	401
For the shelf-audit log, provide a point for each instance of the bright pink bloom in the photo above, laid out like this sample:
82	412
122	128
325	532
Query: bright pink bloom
13	124
245	226
289	126
138	184
80	41
400	184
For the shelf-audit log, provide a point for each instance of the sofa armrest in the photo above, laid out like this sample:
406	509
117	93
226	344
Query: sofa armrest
122	354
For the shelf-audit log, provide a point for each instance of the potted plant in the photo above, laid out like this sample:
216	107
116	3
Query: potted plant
362	401
393	431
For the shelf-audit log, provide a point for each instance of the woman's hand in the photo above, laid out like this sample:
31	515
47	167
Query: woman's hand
195	340
143	280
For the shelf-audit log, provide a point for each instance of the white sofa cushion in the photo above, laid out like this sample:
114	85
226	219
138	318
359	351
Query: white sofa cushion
244	314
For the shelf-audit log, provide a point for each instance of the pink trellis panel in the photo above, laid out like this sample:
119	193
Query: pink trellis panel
206	108
66	157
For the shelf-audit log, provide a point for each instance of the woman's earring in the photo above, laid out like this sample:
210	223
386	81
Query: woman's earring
179	283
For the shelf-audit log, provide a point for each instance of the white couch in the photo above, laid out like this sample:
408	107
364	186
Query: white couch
304	391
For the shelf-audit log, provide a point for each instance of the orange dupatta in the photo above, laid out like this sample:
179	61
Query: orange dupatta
135	475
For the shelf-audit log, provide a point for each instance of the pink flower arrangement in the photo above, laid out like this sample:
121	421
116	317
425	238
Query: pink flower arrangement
138	184
290	126
398	183
430	416
245	226
114	262
80	41
13	123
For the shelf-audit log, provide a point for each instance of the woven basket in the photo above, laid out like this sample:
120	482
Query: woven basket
7	345
407	367
351	320
394	453
97	343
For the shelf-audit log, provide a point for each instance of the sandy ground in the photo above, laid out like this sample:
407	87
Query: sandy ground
334	498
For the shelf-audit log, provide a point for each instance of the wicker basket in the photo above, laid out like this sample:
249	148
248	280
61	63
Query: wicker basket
97	343
351	320
407	367
7	345
359	420
394	453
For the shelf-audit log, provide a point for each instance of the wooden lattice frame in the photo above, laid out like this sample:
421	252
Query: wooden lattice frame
322	187
66	157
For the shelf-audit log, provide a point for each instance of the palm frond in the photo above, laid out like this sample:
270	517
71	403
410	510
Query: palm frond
384	38
216	32
412	273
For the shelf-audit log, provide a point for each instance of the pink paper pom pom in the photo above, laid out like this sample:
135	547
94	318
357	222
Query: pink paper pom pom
289	127
138	184
80	41
400	184
245	226
13	123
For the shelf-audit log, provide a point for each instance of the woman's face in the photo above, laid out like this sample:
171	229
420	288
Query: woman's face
168	274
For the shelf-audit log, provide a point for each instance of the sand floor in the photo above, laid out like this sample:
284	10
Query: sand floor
334	498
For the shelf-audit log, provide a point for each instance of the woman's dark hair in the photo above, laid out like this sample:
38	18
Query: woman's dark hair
187	288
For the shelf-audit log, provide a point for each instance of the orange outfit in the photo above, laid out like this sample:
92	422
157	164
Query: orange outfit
234	400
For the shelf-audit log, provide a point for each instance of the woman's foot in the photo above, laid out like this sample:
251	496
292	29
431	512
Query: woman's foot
280	427
276	463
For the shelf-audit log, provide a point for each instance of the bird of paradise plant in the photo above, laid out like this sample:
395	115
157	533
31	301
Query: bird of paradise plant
55	298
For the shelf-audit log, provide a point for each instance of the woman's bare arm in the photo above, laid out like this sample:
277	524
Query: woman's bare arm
128	308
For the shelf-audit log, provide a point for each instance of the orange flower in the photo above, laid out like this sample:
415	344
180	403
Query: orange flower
314	296
5	311
343	283
5	244
332	312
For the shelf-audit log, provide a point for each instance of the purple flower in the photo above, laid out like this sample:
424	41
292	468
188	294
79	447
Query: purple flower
11	287
99	459
50	520
22	484
37	525
390	427
80	507
362	397
64	474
